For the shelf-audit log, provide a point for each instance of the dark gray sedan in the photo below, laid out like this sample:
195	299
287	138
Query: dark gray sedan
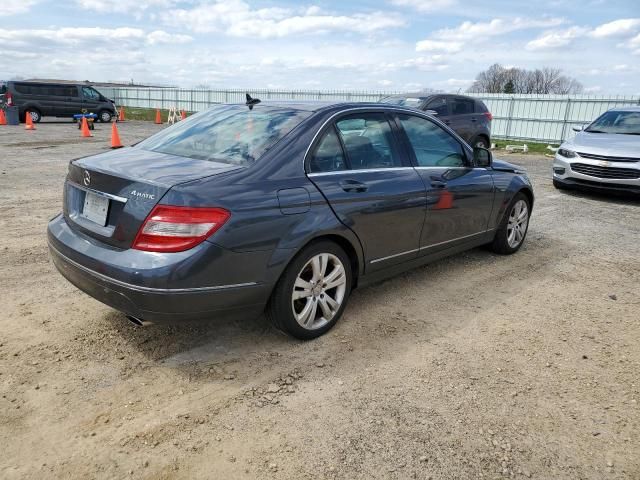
281	208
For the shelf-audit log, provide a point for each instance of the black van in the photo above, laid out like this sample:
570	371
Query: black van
467	116
57	100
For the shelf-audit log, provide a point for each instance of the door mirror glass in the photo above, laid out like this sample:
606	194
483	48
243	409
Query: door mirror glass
577	128
431	112
482	157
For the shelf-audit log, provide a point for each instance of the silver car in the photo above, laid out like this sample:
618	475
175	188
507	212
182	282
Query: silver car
604	155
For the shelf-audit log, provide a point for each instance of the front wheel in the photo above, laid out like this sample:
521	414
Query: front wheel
312	293
36	116
105	116
513	227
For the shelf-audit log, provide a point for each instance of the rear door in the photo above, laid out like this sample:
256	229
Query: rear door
358	166
459	195
70	100
463	117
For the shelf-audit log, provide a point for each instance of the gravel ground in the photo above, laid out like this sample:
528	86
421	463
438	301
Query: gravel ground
478	366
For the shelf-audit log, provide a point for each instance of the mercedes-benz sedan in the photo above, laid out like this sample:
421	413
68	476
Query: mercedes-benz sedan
281	208
604	155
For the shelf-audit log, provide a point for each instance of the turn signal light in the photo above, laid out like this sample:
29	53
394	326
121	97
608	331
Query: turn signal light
170	228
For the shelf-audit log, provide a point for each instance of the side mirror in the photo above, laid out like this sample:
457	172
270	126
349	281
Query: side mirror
431	112
579	128
482	157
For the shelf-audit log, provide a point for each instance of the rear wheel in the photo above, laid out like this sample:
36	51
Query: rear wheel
35	114
312	293
481	142
513	227
105	116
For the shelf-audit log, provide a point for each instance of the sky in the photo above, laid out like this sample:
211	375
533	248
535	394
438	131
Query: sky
390	45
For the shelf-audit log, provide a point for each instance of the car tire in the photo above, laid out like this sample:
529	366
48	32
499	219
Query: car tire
36	116
301	301
482	142
513	228
105	116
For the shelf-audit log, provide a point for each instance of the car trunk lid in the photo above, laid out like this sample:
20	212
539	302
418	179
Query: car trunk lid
108	196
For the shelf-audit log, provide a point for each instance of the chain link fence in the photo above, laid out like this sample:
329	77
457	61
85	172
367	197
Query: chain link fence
537	118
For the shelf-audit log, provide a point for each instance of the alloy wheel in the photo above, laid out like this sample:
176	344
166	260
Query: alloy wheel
517	225
319	291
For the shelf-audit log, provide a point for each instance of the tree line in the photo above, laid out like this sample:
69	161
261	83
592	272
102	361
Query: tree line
498	79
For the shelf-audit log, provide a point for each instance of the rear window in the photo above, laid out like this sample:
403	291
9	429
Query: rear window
229	134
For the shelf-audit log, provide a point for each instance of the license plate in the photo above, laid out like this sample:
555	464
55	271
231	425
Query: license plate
95	208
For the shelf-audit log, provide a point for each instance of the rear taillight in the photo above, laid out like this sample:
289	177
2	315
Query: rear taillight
488	115
170	228
9	99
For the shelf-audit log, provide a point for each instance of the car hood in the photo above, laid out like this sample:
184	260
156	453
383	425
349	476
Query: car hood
506	166
608	144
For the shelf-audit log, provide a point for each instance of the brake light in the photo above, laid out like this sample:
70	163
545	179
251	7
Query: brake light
170	228
488	115
9	99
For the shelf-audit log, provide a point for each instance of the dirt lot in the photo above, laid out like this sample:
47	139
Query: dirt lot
478	366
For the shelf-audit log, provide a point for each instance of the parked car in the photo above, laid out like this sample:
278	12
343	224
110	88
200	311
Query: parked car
57	100
604	155
279	207
467	116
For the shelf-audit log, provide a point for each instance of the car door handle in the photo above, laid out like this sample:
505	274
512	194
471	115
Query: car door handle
353	186
438	182
474	119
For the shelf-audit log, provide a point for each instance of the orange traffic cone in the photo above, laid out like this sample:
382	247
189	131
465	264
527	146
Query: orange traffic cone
3	117
121	115
115	138
158	117
84	130
28	122
183	115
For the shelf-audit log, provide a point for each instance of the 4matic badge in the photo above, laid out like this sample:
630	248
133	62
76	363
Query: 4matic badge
142	195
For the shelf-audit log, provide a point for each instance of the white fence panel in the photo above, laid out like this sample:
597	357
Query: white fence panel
542	118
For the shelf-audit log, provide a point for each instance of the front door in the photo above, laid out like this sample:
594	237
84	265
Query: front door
90	100
459	195
371	187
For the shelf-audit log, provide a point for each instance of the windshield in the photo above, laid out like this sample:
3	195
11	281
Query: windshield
414	102
228	134
627	123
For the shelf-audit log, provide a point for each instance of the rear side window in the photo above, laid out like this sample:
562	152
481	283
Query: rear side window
439	105
462	106
432	146
328	156
368	141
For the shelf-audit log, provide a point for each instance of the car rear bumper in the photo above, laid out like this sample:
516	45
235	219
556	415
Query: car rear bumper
150	303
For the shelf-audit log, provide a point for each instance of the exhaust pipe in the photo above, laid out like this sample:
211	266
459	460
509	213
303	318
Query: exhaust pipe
138	321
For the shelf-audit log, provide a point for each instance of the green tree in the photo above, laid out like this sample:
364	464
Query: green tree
509	87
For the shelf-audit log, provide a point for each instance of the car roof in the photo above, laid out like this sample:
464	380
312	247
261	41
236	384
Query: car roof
316	106
626	109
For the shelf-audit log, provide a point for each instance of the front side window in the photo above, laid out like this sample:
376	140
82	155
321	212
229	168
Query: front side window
229	134
368	141
439	105
90	93
432	146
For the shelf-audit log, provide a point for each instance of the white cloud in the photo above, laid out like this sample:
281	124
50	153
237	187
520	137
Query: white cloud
621	27
438	46
124	6
425	5
634	45
14	7
236	18
160	36
623	67
498	26
556	39
594	89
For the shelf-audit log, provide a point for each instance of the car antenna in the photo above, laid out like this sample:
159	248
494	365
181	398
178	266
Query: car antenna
251	102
